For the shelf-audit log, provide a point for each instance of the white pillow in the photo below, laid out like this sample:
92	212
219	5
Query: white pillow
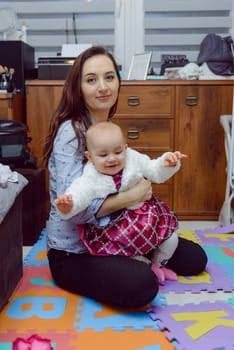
9	194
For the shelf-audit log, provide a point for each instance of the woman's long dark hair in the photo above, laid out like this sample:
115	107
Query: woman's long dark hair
72	106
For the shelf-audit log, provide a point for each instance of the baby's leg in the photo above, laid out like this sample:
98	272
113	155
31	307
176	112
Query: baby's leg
160	257
165	250
142	258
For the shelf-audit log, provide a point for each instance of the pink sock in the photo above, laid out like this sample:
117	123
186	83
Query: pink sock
163	274
169	274
159	273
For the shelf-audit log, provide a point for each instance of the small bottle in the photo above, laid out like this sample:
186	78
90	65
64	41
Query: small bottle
23	36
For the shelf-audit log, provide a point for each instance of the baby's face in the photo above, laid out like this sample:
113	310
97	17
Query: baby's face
108	154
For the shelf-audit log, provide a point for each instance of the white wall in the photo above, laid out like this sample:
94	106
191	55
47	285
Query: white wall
125	27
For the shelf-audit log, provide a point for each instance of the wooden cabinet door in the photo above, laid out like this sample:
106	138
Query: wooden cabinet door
5	106
12	106
42	101
199	187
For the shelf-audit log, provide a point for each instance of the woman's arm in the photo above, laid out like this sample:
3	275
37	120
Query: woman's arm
141	192
65	165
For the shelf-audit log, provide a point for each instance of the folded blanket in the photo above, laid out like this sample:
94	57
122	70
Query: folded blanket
11	184
6	174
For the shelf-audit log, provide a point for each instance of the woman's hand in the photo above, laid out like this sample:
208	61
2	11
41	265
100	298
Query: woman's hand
141	192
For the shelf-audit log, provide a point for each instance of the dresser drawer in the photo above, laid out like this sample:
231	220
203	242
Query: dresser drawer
163	190
155	100
148	134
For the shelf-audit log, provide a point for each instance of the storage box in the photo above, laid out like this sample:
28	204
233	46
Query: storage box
11	267
34	210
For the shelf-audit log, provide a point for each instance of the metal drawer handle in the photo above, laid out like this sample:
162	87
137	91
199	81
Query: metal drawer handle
191	100
133	101
133	134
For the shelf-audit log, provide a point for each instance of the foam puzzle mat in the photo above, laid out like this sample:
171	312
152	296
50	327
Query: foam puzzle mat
189	314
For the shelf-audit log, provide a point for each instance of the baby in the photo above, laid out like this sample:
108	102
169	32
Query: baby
147	229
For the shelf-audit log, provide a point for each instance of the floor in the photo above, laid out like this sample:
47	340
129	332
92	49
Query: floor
189	298
177	299
183	225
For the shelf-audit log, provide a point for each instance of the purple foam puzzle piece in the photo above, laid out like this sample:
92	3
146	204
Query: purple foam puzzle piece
214	279
214	238
205	326
205	236
229	228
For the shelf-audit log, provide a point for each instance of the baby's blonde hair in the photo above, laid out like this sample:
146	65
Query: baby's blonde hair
103	127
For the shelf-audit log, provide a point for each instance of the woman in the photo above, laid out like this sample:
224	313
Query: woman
90	95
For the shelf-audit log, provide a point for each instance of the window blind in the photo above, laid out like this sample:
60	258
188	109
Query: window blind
178	26
47	22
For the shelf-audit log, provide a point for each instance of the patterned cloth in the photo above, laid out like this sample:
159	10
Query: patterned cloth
132	232
117	179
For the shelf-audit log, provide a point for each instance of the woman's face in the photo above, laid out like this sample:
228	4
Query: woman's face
99	85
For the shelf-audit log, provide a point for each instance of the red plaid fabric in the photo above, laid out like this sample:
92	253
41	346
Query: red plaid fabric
133	232
117	179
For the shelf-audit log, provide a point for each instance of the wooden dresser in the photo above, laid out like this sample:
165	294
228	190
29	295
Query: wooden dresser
160	116
12	106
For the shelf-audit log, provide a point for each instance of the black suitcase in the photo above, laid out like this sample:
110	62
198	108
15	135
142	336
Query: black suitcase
14	150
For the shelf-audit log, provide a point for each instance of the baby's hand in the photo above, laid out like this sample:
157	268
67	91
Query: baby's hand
172	158
64	203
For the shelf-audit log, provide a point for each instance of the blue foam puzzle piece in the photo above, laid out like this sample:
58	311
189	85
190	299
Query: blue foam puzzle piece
31	258
88	318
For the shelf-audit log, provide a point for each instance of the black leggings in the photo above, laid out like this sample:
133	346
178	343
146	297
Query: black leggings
118	280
